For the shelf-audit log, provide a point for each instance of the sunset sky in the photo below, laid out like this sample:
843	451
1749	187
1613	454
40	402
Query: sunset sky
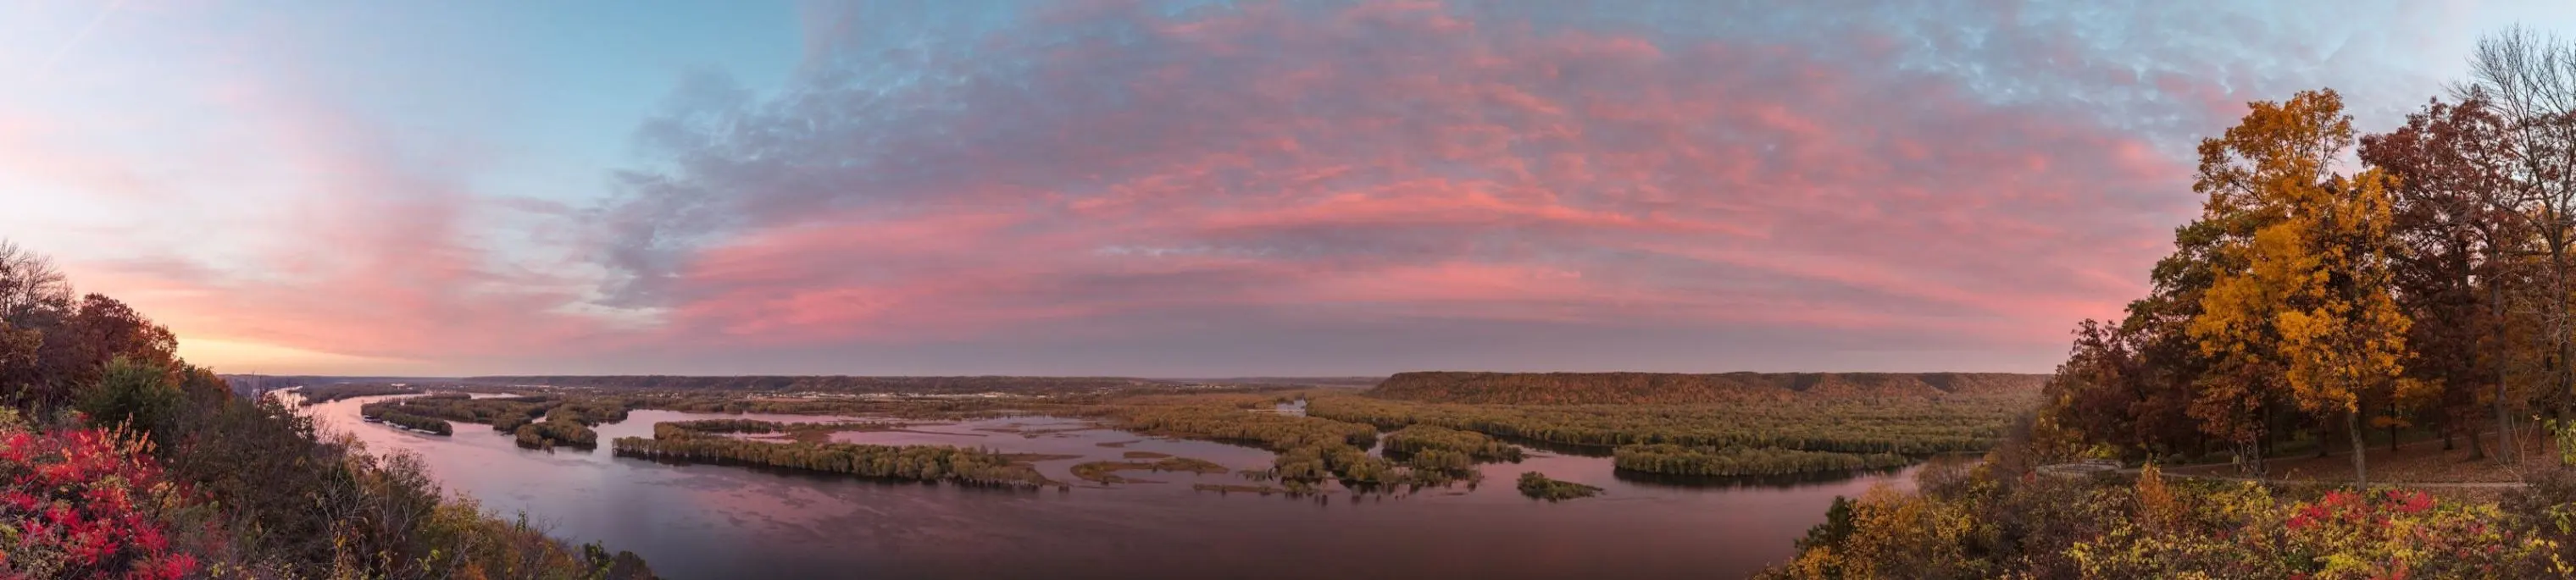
1148	188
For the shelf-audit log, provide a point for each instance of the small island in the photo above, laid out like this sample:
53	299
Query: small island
1537	486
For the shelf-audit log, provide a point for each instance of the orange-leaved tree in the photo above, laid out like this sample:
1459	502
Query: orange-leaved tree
2308	294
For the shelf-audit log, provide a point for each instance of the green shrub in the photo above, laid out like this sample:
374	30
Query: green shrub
136	394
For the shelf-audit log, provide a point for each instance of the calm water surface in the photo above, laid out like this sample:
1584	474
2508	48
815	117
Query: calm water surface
707	521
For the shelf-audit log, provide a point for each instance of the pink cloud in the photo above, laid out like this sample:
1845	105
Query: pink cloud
371	254
1117	171
1404	159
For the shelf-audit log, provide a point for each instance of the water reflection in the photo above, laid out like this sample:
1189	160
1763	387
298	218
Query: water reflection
709	521
1790	480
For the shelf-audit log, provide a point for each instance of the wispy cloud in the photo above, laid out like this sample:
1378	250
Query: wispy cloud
1211	187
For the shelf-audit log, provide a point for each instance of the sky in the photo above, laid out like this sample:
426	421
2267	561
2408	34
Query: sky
1142	188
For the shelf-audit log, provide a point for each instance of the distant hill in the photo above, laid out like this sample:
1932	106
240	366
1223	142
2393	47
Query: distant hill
1327	382
1677	388
838	384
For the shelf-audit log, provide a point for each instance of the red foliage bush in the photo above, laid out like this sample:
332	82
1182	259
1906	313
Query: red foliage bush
84	504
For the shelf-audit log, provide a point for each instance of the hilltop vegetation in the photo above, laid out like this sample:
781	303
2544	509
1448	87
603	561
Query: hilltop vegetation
120	460
1688	389
2426	292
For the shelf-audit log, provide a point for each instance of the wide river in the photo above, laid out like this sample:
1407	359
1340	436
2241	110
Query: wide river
703	522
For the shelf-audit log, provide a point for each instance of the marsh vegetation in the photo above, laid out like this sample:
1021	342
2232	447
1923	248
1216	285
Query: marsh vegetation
1537	486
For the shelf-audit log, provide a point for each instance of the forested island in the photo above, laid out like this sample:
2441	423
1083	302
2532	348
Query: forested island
1538	486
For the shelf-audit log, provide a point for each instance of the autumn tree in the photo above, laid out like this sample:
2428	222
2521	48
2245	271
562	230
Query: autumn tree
2122	385
33	297
2307	297
19	370
2459	237
33	292
2530	81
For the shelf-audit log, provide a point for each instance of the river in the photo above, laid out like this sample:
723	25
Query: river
702	522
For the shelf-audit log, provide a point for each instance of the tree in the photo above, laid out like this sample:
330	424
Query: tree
19	349
33	293
100	330
2309	296
134	393
2530	81
2460	238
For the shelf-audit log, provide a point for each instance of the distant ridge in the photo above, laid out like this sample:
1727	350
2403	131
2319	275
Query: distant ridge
1679	388
831	383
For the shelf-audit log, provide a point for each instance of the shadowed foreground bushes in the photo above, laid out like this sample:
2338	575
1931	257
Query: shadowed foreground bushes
1987	523
118	460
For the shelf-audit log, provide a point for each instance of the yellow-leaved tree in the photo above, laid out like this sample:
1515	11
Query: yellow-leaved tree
2308	294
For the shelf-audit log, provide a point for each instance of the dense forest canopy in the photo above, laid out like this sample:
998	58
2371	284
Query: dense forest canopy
2426	288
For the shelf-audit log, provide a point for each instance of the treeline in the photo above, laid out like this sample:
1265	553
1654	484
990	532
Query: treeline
126	462
811	431
319	394
417	423
911	462
1670	459
2428	289
1266	430
1420	438
1487	388
837	384
736	403
678	429
1904	426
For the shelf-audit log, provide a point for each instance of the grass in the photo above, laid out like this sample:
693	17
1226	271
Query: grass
1239	488
1107	471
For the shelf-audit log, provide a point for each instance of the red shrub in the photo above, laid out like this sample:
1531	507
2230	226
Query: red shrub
84	504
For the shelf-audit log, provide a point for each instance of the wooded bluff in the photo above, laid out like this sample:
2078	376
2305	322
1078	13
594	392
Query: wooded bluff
1488	388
